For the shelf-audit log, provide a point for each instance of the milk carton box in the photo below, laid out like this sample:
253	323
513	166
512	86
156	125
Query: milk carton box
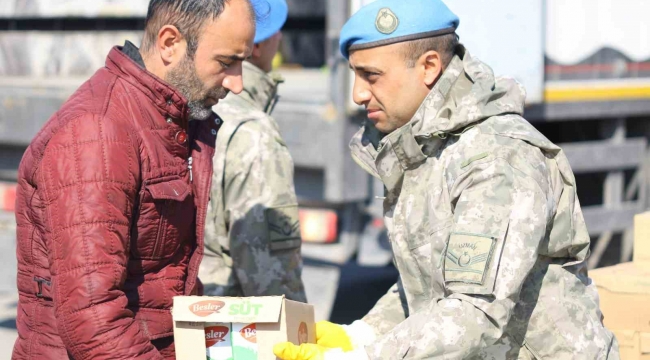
244	341
218	341
231	328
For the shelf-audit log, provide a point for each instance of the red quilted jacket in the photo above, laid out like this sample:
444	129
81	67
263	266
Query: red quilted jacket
110	215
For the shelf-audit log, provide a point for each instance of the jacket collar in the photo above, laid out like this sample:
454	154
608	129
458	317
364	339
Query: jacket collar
407	147
133	53
168	101
466	93
260	88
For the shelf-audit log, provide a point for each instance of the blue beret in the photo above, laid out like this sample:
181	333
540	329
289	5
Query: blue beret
385	22
271	16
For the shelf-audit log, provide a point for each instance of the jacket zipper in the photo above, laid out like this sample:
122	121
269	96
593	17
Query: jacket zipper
189	167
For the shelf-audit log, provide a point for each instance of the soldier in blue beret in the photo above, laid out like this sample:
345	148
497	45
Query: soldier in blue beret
481	209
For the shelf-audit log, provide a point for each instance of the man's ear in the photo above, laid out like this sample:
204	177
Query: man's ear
432	63
171	44
257	51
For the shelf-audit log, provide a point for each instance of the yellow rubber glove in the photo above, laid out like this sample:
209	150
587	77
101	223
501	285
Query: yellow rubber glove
332	335
289	351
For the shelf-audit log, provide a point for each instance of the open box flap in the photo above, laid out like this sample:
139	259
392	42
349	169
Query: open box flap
265	309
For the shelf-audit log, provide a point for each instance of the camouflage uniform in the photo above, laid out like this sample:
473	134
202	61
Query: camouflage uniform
486	229
252	232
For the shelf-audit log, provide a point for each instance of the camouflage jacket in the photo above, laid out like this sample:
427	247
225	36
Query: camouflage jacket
252	232
486	229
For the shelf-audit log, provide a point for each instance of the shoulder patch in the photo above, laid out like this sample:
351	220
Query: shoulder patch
284	227
467	258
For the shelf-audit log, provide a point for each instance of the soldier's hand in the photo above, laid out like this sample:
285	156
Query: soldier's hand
329	336
332	335
289	351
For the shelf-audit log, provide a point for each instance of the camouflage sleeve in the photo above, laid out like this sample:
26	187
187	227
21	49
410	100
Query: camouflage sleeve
500	220
387	312
262	214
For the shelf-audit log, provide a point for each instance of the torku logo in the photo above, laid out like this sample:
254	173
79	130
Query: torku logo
206	308
303	333
215	334
249	333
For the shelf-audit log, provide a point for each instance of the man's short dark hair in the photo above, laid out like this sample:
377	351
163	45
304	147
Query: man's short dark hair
445	45
188	16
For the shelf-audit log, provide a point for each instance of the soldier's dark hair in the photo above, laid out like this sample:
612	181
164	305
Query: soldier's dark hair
445	45
188	16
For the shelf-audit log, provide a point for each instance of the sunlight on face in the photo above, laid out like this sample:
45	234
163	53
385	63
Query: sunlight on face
390	91
216	67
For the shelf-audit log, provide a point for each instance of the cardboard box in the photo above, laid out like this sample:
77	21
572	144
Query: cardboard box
624	292
642	240
633	345
231	328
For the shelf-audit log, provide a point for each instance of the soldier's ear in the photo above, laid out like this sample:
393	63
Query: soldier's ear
257	51
432	64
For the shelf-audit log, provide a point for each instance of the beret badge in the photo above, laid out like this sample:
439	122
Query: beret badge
386	22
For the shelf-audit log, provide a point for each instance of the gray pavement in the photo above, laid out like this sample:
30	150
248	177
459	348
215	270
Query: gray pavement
8	332
8	296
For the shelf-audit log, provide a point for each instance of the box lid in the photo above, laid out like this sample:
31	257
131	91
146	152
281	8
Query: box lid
264	309
633	339
642	238
623	278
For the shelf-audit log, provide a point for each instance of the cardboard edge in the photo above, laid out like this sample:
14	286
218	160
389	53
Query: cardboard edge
274	333
300	313
181	311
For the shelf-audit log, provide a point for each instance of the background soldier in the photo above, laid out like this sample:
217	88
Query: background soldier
253	233
481	208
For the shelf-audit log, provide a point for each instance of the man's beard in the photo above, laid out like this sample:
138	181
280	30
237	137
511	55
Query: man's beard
185	79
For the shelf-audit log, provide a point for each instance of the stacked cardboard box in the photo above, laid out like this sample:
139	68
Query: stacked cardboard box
230	328
624	292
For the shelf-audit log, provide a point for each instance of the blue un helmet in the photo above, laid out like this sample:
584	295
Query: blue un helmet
271	16
386	22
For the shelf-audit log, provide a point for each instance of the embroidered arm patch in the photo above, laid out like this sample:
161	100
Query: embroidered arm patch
467	259
284	227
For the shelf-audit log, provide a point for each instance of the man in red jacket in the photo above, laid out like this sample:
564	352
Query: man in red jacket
113	190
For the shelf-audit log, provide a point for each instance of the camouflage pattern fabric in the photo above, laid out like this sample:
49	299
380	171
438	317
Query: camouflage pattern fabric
486	229
387	312
252	232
